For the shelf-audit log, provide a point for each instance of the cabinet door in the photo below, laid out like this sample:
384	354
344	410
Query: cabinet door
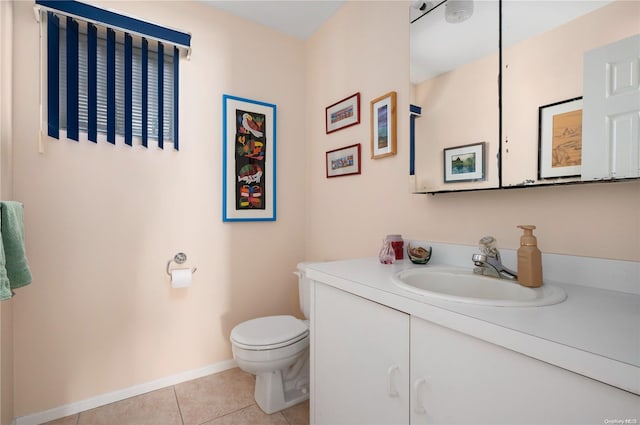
360	360
458	379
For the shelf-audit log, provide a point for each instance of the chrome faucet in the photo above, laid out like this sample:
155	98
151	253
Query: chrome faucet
488	263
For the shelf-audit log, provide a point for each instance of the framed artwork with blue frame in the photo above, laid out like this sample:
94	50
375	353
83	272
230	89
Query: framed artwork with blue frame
248	160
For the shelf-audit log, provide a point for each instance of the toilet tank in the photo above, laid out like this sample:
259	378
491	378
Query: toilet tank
304	289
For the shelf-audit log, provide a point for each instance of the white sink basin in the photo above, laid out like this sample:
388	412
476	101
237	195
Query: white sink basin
462	285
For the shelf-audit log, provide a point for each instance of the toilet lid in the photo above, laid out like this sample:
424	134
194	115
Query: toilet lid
269	330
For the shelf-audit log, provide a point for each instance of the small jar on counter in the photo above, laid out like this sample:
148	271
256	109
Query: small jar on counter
398	245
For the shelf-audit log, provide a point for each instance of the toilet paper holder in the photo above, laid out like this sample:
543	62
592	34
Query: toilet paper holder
179	258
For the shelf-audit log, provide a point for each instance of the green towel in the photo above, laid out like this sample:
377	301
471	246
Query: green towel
14	270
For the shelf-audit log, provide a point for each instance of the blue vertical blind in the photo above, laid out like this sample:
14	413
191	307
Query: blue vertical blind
111	74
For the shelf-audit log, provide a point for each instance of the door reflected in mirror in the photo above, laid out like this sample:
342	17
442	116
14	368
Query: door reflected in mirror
545	66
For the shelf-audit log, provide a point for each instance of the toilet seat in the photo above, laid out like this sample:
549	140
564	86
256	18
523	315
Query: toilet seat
269	333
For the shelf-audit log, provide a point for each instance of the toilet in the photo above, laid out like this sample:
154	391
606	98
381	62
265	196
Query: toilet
276	350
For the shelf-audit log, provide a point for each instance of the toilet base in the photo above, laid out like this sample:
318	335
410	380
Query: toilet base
275	392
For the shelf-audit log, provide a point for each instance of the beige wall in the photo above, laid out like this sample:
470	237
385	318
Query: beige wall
102	221
363	48
6	308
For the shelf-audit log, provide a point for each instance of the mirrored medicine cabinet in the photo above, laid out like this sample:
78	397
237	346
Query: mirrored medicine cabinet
501	87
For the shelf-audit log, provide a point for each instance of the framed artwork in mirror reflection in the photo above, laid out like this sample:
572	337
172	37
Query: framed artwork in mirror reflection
560	139
464	163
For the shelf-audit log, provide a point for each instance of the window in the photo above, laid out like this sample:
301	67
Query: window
104	79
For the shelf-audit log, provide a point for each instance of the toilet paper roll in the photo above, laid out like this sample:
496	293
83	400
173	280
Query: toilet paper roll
181	278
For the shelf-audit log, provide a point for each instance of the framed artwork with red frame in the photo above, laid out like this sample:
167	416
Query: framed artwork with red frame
344	161
343	114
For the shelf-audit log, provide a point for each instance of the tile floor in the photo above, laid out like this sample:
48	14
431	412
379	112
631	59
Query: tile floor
225	398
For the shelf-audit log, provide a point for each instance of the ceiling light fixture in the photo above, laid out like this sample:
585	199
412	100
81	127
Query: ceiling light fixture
456	11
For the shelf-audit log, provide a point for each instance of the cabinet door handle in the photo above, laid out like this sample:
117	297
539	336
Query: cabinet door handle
390	372
418	407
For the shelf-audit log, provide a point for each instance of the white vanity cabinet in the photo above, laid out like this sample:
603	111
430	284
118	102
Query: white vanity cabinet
459	379
372	364
360	355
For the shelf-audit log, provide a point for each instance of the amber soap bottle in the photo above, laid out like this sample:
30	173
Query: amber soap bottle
529	259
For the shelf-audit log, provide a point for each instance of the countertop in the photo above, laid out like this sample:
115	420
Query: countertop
595	332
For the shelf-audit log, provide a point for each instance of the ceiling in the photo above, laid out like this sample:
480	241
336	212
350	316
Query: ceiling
298	18
436	46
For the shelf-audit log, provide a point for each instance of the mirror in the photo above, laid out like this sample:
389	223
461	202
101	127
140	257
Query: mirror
543	46
454	75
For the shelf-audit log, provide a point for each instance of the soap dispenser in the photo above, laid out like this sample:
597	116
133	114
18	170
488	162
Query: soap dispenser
529	259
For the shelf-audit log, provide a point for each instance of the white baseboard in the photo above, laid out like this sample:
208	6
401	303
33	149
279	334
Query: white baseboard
104	399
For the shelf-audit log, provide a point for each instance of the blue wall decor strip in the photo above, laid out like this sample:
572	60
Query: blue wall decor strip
160	95
72	79
92	82
111	86
412	145
274	167
145	91
112	19
225	193
415	112
176	80
53	75
128	89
